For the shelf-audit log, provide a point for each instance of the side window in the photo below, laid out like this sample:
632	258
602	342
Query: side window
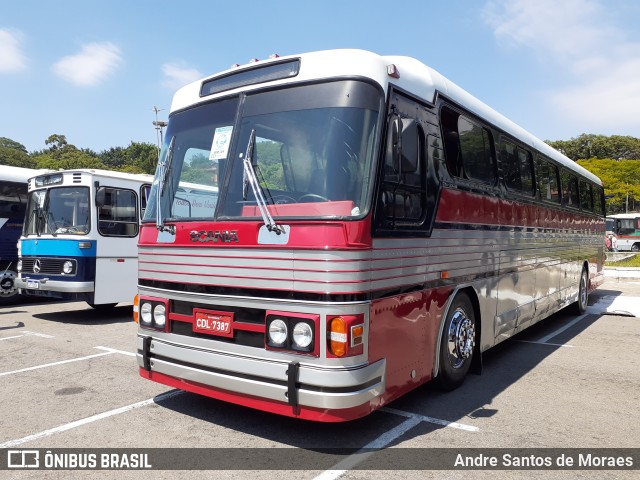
404	191
468	148
598	205
475	146
517	167
547	175
118	216
570	195
586	199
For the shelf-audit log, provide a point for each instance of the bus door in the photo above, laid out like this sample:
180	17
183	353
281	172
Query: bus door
117	246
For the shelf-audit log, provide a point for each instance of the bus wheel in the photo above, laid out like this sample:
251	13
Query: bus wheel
583	294
635	247
8	284
102	306
457	343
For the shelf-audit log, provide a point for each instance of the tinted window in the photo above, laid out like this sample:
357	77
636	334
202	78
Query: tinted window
475	148
570	195
598	206
547	175
586	199
517	166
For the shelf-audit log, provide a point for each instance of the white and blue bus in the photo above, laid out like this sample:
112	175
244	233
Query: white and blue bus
13	202
80	236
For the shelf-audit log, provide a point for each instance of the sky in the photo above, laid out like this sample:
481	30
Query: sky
94	71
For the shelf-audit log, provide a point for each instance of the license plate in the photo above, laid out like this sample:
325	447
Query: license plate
33	284
213	323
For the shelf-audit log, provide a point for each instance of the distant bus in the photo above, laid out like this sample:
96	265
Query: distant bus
626	227
13	202
80	236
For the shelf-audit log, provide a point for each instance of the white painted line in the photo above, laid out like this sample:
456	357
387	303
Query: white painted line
437	421
54	364
28	334
85	421
382	441
113	350
562	329
412	419
546	343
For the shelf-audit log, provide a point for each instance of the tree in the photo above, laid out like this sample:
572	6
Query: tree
11	144
142	155
599	146
15	154
621	180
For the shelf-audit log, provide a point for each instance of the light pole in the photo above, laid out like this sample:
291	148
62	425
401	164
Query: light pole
159	126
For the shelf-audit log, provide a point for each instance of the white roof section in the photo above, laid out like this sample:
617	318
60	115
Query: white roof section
19	174
137	177
415	77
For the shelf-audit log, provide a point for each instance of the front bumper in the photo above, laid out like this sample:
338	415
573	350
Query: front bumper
289	383
45	284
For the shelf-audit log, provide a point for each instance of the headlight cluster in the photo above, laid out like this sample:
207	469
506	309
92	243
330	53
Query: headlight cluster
153	314
290	333
67	267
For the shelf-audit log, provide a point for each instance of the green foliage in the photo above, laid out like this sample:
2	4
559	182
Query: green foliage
599	146
621	180
633	261
15	158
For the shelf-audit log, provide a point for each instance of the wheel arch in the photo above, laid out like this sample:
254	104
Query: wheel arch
476	365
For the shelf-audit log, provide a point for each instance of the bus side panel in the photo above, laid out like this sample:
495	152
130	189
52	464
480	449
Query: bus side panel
404	331
116	270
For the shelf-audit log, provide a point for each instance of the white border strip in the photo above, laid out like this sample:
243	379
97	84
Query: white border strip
562	329
28	334
94	418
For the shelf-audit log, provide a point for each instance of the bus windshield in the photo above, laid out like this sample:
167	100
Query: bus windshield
313	155
58	210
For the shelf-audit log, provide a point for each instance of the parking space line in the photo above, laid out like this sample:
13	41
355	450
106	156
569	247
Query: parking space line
28	334
546	343
437	421
562	329
93	418
382	441
54	364
113	350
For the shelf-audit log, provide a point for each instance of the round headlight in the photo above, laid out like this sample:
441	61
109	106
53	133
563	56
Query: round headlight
159	315
67	267
19	266
278	332
302	335
145	313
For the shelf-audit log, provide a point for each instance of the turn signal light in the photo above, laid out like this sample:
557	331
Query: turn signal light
136	303
345	335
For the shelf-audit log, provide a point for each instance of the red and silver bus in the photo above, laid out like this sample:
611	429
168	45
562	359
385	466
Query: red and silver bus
375	227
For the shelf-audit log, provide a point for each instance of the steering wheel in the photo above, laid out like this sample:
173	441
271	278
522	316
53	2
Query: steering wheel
312	197
282	199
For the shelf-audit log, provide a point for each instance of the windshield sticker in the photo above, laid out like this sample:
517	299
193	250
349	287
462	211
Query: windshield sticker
220	144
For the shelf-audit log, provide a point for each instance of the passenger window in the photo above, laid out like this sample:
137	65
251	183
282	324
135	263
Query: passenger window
598	206
118	216
548	181
570	195
475	147
586	199
517	166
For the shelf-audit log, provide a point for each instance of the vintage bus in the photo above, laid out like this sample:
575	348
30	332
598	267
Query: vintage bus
80	236
376	227
13	202
626	228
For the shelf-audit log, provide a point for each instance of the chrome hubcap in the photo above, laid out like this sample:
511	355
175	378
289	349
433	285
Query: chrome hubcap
461	338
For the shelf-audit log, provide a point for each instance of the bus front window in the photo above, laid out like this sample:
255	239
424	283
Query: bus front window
63	210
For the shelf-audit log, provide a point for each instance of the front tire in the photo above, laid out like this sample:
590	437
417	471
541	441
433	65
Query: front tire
583	294
457	343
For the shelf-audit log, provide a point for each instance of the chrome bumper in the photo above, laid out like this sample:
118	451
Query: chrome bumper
314	386
45	284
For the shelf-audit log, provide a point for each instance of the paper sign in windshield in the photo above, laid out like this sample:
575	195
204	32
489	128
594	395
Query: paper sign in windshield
220	144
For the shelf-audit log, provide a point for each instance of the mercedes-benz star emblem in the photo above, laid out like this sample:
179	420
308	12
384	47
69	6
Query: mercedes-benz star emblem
36	266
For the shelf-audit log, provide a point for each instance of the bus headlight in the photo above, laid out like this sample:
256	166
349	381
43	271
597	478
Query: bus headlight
145	314
159	315
67	267
277	332
302	335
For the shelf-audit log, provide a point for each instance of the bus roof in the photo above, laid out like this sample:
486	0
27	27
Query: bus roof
19	174
414	77
140	177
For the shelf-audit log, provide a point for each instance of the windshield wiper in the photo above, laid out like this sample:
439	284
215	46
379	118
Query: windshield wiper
249	178
163	174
